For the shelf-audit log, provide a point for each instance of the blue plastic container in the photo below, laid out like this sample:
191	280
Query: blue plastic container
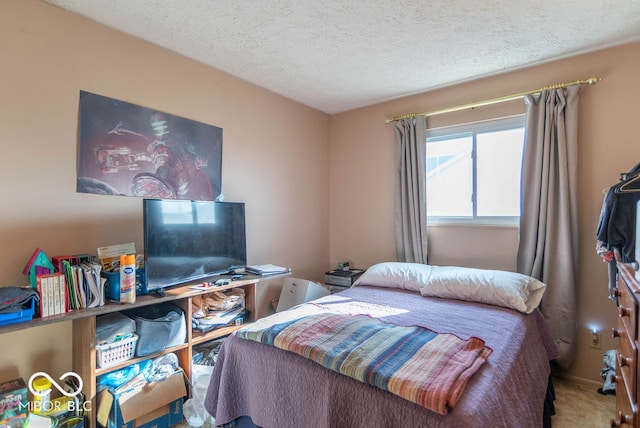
26	314
112	286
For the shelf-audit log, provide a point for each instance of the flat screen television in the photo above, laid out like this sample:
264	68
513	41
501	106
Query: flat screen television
189	240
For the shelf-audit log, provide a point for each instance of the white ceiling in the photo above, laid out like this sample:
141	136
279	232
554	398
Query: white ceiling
337	55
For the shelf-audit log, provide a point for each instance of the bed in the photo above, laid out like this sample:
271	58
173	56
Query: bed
257	384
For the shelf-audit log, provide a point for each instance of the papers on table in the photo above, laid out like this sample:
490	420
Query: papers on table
267	269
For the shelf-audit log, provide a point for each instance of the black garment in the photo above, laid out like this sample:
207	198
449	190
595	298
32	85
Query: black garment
617	223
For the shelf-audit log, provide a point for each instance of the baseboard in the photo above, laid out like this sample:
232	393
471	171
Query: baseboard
579	380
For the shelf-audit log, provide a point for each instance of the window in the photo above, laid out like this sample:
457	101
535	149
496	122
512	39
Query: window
473	171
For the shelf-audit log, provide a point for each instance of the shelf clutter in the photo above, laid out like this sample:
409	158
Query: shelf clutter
138	332
145	394
81	281
119	337
17	304
112	353
23	409
122	402
218	309
116	339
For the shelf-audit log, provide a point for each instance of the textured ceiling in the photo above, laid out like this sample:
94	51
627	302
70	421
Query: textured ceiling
337	55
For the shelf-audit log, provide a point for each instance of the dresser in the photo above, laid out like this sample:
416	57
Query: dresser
626	332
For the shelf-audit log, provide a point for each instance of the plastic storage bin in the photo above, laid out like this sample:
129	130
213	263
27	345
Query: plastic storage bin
26	314
112	286
110	354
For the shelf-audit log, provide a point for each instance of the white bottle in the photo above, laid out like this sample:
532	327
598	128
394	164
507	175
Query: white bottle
128	278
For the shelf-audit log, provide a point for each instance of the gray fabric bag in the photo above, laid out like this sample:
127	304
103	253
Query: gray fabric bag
158	327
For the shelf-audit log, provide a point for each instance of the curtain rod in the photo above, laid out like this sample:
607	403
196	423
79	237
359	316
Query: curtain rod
589	81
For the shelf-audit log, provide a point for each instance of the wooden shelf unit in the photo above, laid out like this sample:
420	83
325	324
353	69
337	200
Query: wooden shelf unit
84	329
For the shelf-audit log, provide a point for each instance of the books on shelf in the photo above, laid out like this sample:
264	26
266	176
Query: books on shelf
85	286
267	269
52	288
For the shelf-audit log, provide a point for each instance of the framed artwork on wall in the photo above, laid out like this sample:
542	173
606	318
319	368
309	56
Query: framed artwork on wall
125	149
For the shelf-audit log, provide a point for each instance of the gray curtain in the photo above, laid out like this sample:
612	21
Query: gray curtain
410	215
548	246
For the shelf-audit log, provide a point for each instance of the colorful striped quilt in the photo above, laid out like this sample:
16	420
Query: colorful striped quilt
430	369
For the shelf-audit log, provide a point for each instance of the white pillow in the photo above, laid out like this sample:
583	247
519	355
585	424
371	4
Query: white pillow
495	287
408	276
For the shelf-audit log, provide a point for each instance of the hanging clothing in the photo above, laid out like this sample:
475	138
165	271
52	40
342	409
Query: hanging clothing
617	224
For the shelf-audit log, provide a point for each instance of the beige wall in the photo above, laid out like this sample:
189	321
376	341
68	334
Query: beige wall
275	156
309	204
362	175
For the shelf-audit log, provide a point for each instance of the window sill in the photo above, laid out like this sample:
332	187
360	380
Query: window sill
509	222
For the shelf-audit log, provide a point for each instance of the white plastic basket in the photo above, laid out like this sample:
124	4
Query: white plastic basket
113	353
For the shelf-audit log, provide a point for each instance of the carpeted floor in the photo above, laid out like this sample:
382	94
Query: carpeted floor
581	406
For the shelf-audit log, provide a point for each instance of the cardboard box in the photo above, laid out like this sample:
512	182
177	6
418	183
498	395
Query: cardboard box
175	412
159	418
13	403
164	417
152	405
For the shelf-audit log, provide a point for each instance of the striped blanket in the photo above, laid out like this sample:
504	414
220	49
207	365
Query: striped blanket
417	364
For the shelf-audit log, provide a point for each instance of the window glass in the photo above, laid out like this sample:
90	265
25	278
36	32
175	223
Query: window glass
498	173
449	177
473	171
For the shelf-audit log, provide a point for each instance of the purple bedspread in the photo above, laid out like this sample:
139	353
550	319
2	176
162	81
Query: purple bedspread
279	389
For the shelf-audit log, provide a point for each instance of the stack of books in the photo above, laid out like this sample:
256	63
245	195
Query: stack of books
54	298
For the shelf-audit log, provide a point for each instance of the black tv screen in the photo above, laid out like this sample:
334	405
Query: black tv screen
189	240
